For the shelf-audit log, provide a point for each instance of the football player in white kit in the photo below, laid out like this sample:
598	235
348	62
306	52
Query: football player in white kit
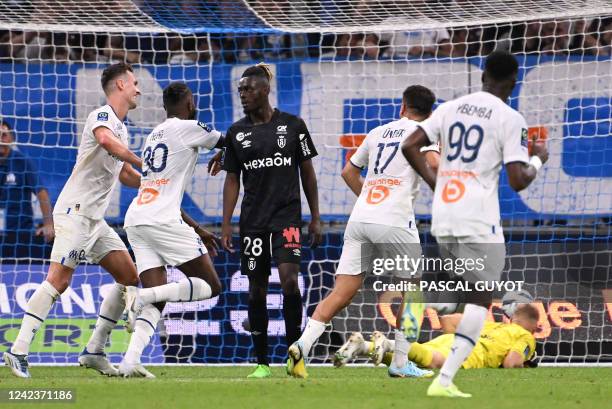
158	233
81	231
383	213
477	134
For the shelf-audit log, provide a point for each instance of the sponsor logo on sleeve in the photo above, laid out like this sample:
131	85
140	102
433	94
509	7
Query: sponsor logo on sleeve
205	127
103	116
524	137
305	148
281	129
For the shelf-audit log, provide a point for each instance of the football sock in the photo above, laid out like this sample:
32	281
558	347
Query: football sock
187	289
292	312
314	329
466	336
110	311
145	326
402	346
37	309
258	318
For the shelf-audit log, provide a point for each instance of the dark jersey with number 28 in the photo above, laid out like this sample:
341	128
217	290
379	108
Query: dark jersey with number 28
268	157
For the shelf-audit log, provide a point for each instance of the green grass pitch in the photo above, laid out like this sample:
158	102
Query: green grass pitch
351	388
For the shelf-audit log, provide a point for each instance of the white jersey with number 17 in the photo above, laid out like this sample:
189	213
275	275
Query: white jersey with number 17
391	185
169	158
477	133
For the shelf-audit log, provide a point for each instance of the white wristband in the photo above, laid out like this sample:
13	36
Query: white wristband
536	162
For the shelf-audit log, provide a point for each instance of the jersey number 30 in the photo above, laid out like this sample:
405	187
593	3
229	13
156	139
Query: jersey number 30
149	156
464	143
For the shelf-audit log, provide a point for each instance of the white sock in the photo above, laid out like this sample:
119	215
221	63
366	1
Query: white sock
110	311
187	289
38	308
314	329
466	336
143	331
401	348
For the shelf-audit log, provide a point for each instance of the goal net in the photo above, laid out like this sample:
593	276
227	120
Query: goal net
342	66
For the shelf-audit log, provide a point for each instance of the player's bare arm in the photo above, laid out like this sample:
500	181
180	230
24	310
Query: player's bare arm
449	322
129	176
210	240
513	360
309	184
231	189
46	230
411	149
112	145
352	177
520	175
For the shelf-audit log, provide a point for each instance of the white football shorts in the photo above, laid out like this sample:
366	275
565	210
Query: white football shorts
367	243
79	238
164	244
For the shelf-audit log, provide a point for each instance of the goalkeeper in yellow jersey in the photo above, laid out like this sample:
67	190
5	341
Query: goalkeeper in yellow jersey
500	344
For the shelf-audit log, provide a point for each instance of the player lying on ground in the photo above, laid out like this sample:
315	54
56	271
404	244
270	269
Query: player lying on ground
506	345
159	232
81	233
478	133
382	223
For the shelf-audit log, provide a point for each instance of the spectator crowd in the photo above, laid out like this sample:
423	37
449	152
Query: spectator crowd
555	37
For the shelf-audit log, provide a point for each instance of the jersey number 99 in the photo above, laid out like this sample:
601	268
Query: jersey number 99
464	143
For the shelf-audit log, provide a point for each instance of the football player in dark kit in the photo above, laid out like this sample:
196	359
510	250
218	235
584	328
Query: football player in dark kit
272	150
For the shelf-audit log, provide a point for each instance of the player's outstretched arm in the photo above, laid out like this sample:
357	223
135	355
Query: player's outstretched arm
352	177
520	175
513	360
411	149
309	184
112	145
129	176
231	189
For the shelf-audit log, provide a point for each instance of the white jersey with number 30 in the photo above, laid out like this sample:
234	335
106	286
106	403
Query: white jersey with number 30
169	157
391	185
477	133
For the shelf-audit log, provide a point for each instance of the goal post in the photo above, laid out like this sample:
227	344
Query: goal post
342	66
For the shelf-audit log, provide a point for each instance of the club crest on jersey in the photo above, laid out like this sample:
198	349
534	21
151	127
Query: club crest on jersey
282	141
246	144
252	264
241	135
102	116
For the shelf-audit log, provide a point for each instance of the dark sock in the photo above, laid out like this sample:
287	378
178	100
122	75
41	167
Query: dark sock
292	311
258	319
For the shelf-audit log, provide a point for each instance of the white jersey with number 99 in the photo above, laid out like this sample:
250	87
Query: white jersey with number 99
477	133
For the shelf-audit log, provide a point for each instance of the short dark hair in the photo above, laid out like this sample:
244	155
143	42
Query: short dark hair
3	122
528	311
259	70
419	98
113	71
501	65
174	94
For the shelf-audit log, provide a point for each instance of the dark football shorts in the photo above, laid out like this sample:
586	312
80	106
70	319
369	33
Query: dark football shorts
258	249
